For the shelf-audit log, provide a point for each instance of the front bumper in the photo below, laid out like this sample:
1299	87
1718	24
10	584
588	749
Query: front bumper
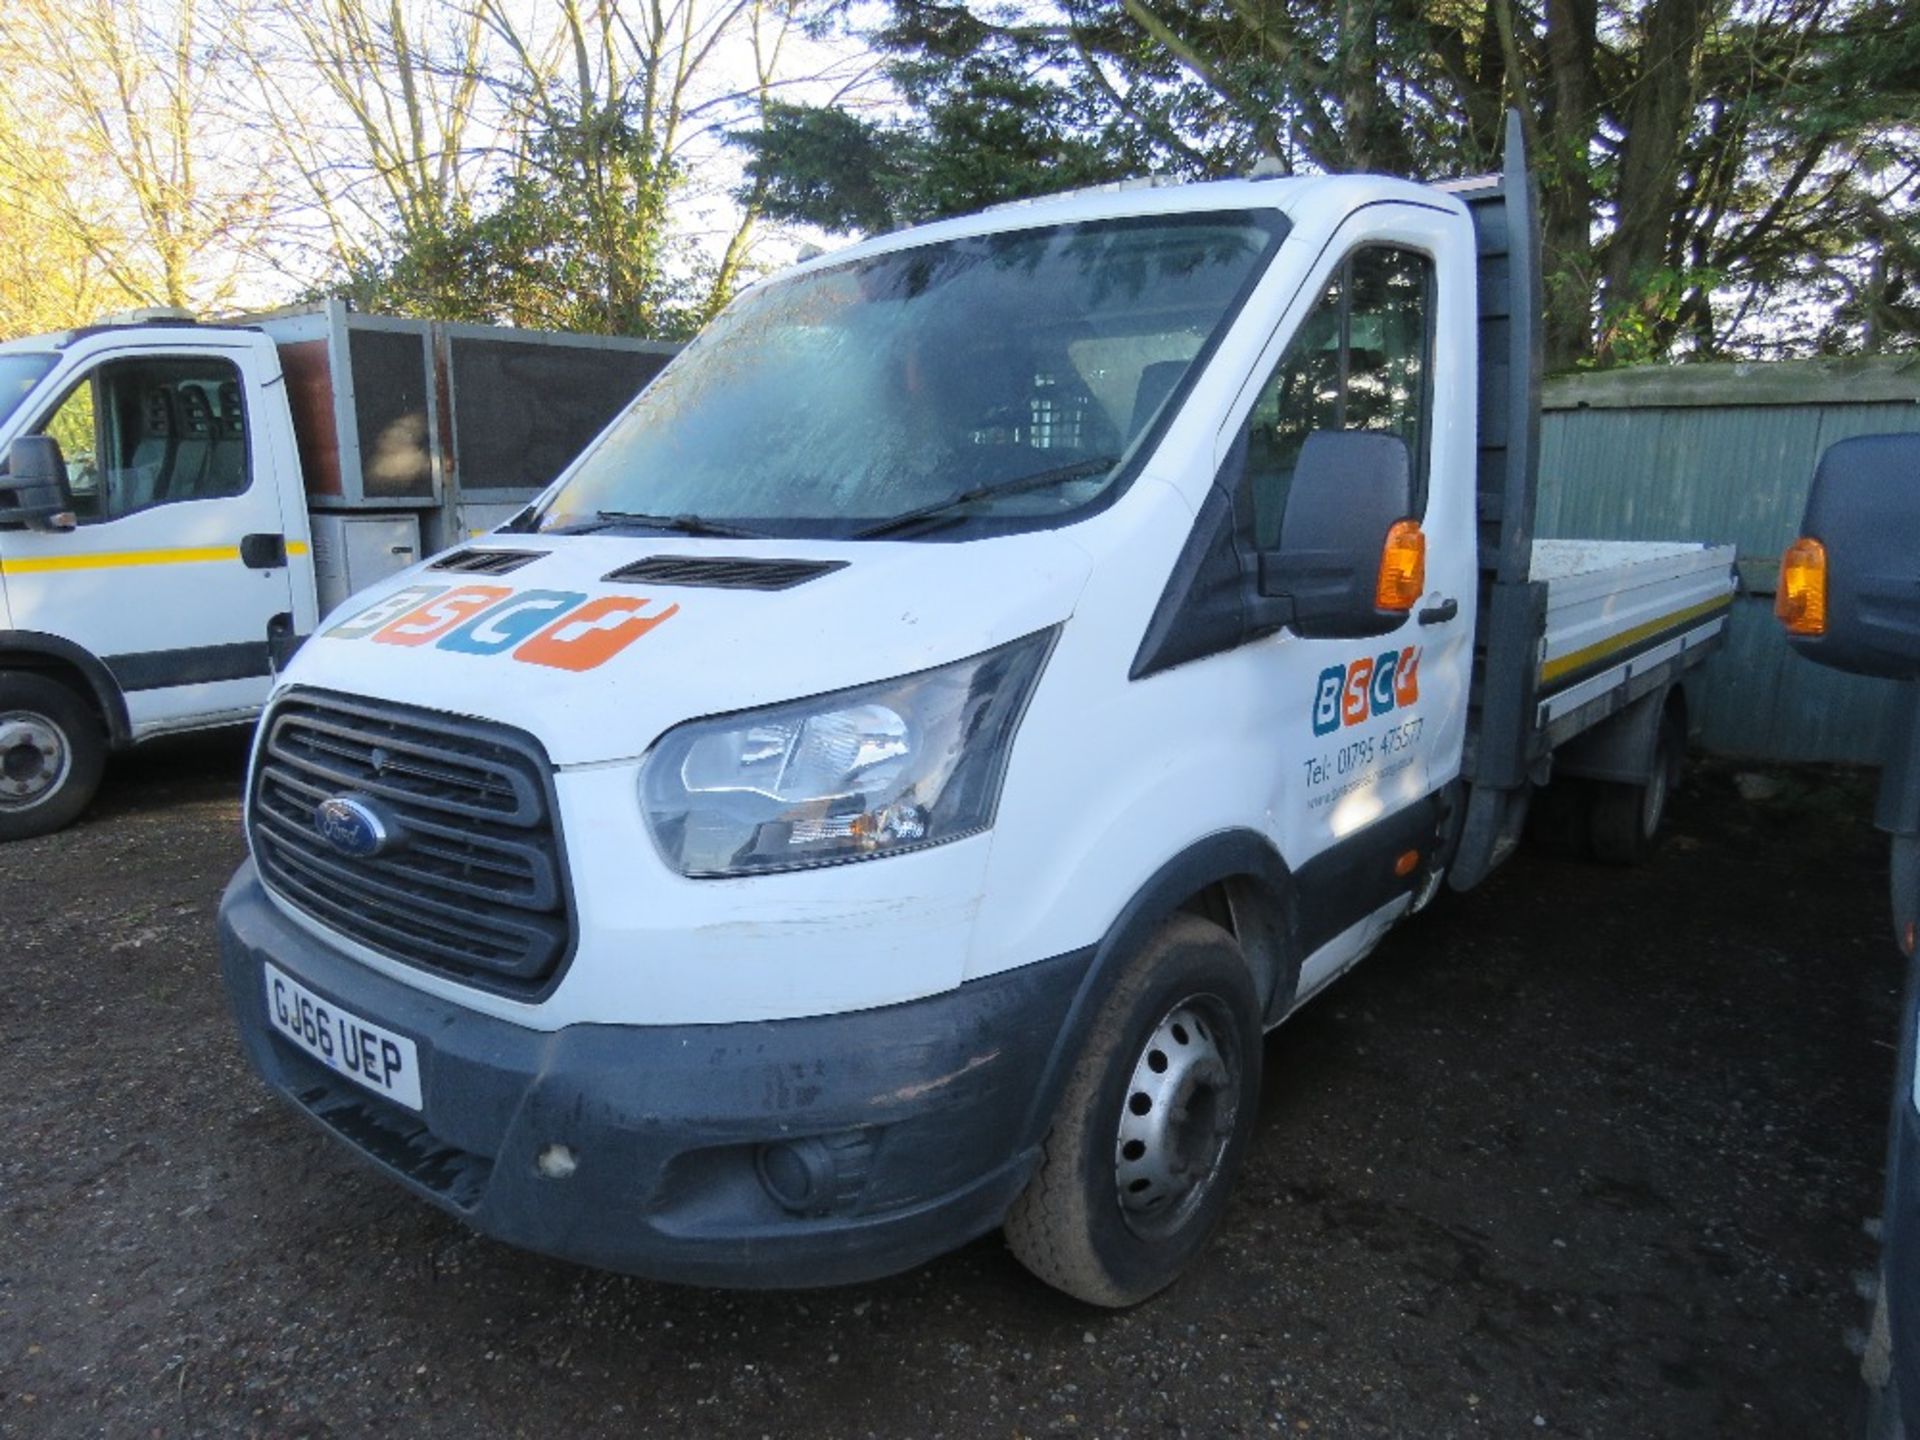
924	1118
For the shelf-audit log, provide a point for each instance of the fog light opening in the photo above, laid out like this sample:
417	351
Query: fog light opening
817	1175
798	1174
557	1162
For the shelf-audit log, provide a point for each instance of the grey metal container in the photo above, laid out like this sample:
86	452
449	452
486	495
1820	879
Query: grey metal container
457	424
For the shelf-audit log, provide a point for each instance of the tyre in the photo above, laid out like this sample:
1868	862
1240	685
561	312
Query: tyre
1877	1403
52	753
1560	818
1625	819
1152	1126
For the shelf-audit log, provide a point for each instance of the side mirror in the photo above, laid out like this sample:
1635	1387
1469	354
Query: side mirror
1351	560
1850	586
34	490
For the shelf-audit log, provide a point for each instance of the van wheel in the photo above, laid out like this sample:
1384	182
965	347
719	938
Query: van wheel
1560	818
1153	1124
52	754
1626	818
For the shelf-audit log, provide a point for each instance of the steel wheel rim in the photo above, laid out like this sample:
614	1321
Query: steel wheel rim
1177	1118
35	759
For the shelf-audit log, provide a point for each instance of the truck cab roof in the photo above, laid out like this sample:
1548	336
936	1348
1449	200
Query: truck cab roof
1295	197
168	327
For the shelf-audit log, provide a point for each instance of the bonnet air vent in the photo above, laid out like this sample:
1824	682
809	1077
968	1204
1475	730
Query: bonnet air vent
487	562
720	573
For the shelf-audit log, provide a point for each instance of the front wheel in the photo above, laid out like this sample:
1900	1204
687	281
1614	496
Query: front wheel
1153	1124
52	754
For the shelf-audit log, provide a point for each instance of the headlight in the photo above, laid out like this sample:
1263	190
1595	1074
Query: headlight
884	768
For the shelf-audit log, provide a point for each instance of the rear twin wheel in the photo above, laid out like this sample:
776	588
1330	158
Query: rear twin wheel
1153	1124
1625	819
1613	822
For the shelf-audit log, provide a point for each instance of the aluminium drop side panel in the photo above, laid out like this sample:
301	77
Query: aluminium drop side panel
1624	618
1598	590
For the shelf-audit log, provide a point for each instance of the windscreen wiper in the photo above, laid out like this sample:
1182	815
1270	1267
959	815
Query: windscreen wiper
682	524
940	510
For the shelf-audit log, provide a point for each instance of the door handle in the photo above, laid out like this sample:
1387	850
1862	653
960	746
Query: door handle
1441	613
263	552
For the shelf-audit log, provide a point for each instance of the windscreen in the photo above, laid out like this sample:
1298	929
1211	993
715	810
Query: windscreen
1031	362
19	373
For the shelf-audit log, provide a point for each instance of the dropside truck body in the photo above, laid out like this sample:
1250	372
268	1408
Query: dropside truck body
886	787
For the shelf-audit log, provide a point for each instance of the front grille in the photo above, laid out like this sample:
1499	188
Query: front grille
475	887
714	572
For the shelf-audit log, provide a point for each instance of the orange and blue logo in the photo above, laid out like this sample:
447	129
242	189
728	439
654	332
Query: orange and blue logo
1374	685
560	629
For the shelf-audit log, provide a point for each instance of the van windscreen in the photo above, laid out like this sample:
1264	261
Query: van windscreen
832	402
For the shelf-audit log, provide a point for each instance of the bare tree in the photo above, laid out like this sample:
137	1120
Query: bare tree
123	123
380	106
671	74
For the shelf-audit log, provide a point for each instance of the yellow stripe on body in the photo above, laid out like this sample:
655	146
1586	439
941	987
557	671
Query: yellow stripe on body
1580	659
121	559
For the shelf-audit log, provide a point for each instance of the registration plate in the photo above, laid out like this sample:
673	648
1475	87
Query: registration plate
365	1053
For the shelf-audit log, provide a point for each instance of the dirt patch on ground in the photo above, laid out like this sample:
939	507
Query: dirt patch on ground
1586	1152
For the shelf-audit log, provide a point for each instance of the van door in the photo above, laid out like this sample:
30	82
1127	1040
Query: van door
1379	339
178	566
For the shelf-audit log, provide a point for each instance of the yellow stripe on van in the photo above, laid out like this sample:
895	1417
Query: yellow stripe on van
122	559
1580	659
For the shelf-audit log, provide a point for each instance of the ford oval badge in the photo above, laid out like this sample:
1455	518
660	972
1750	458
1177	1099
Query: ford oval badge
353	827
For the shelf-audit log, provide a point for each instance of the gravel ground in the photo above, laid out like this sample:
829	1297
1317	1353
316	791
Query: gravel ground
1587	1152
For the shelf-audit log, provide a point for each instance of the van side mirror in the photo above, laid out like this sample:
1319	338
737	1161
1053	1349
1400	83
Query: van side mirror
1347	519
1850	586
34	490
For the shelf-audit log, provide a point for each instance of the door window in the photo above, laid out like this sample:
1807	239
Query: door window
1361	360
141	433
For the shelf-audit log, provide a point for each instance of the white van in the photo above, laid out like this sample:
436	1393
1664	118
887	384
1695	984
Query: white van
180	502
885	789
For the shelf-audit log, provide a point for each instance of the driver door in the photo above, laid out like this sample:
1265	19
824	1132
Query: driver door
177	571
1372	343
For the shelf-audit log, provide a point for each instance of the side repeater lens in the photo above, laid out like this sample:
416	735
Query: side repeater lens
1801	602
1403	568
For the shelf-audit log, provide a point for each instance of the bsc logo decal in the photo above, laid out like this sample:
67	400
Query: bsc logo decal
560	629
1350	694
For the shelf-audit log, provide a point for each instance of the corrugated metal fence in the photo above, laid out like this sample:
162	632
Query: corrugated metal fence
1725	453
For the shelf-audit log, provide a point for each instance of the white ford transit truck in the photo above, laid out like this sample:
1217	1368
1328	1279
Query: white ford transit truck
887	786
180	502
